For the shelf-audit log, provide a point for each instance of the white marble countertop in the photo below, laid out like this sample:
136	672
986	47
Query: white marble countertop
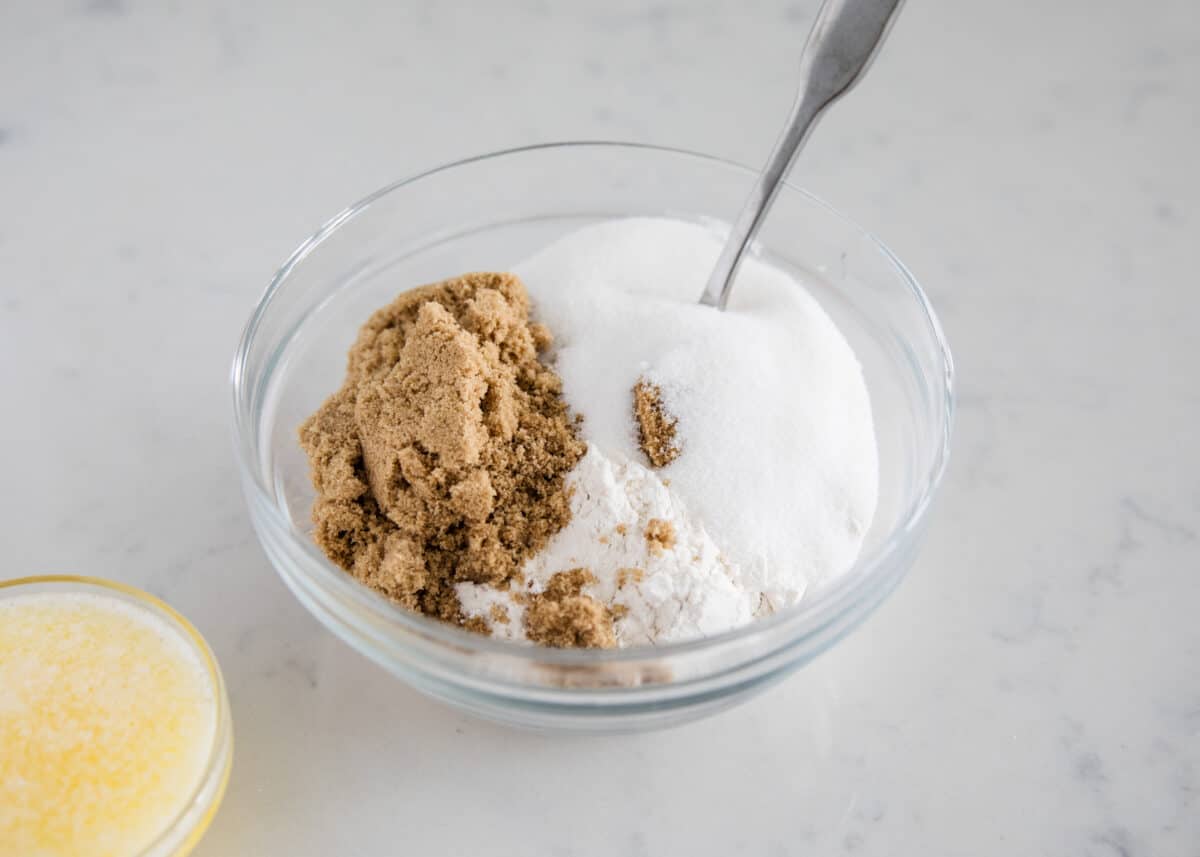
1033	688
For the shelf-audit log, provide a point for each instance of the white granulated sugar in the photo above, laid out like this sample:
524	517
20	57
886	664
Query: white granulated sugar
687	590
777	480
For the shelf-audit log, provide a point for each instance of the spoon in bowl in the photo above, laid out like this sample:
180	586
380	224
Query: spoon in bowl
844	39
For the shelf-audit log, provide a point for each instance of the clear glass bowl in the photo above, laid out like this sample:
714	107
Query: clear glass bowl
181	833
488	213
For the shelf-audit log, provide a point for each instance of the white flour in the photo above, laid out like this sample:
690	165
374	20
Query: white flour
778	450
689	590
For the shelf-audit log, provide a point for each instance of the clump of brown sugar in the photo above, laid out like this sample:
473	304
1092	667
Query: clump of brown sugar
629	575
499	614
656	427
443	456
659	534
562	616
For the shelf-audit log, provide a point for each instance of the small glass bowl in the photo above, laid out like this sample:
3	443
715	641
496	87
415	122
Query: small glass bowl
192	820
488	213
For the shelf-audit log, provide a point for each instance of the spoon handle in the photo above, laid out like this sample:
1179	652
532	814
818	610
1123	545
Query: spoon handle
845	38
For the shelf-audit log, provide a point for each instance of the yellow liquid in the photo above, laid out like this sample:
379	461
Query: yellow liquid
107	720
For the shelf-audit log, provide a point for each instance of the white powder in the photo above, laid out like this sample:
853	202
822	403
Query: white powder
685	591
777	481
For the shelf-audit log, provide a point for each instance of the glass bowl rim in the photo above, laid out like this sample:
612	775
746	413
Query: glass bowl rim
218	765
808	617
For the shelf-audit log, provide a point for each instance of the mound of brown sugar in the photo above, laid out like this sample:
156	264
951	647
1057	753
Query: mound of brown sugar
656	427
562	616
442	458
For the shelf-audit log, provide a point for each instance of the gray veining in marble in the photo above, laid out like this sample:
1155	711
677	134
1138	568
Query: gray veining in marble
1033	688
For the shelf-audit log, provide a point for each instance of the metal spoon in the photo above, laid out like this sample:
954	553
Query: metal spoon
845	38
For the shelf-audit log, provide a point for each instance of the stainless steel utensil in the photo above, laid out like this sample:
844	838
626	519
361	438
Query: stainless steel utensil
845	38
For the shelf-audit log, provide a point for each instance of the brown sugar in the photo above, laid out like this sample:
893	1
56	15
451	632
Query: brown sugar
477	624
443	456
660	535
629	575
563	617
499	614
656	427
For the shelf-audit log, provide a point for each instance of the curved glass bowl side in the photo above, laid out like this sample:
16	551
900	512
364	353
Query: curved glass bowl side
519	689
